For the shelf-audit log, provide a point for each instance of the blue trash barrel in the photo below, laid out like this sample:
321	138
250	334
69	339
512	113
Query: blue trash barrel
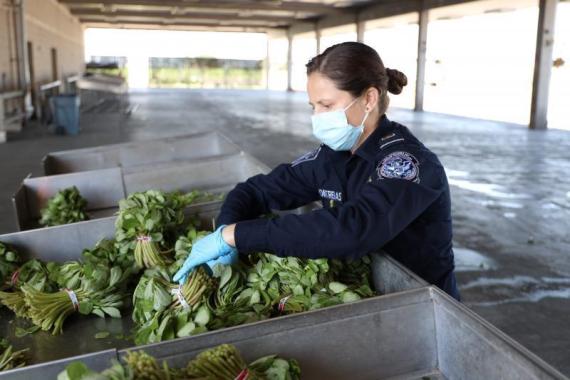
66	113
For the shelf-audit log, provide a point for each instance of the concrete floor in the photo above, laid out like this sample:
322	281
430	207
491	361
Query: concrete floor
510	191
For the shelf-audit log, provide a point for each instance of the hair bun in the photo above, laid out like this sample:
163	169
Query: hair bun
397	81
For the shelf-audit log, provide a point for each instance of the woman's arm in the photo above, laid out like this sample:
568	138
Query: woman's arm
286	187
383	210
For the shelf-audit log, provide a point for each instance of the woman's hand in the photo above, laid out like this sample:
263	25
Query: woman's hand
228	233
209	249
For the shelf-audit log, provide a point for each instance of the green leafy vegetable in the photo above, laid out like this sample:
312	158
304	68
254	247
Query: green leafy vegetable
9	358
67	206
144	221
86	288
223	362
9	261
33	273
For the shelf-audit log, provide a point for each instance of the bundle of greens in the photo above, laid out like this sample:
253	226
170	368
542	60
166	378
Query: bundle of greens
32	273
293	285
219	363
184	244
107	251
163	310
355	273
86	288
226	308
225	363
9	260
144	222
9	358
67	206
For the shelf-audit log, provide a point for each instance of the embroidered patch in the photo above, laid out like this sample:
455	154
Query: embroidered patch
309	156
330	194
399	165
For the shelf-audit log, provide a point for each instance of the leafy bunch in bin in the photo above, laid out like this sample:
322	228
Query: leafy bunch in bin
223	362
67	206
48	293
148	222
260	286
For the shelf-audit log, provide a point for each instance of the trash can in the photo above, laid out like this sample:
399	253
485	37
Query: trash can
65	109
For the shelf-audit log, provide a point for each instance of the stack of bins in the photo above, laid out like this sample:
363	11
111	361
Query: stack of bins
408	331
112	173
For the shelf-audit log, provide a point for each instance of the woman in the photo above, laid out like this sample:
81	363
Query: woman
381	188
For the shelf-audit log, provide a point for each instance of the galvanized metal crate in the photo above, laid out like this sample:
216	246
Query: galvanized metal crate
409	335
66	242
416	334
187	147
104	188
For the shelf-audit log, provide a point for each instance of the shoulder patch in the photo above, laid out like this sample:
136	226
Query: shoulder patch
399	165
309	156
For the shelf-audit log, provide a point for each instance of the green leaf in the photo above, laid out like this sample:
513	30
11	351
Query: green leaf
102	335
337	287
112	312
85	307
349	296
226	276
74	371
98	312
22	332
203	315
186	330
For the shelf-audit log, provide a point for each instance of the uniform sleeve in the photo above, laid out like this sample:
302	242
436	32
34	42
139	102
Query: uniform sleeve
385	208
286	187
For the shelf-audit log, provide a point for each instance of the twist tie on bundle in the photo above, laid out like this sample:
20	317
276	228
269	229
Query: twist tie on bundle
144	238
243	375
281	306
178	293
15	277
73	298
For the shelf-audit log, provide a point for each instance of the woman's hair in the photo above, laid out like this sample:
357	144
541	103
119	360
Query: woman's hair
355	67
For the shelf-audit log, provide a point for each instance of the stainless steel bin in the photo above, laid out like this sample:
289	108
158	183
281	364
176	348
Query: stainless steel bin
409	335
139	153
104	188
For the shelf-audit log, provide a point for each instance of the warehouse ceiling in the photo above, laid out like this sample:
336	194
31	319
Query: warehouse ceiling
242	15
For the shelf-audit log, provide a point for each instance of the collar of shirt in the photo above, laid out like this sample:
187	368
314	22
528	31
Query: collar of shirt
371	146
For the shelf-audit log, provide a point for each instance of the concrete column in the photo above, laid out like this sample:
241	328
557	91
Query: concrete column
421	63
267	64
360	26
138	71
318	36
22	55
289	60
542	64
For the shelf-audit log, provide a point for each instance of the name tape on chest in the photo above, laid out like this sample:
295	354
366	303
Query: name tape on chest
309	156
399	165
331	194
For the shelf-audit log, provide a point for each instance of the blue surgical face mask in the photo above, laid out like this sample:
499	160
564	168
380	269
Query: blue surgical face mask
333	130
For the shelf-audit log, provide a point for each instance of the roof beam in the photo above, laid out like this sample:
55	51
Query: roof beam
82	13
277	5
185	25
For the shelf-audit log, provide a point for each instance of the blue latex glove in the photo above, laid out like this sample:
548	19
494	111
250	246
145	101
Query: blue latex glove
209	248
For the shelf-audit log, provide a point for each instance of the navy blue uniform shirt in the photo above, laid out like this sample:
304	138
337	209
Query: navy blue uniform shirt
391	194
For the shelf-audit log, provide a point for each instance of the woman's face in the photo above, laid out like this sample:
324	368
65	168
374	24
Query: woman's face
325	97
